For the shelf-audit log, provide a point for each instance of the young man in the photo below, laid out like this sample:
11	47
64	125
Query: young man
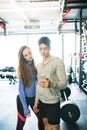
51	79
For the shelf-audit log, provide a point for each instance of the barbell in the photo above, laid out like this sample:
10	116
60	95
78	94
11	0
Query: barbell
69	111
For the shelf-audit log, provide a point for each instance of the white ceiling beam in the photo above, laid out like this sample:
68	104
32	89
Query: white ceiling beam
16	7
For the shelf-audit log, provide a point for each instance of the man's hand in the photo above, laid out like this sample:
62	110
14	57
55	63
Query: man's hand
45	83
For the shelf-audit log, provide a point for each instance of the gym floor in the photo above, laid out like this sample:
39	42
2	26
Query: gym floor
8	111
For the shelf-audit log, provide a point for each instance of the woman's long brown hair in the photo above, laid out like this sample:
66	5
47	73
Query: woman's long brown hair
24	71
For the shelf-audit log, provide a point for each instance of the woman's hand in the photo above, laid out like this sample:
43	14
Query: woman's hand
28	115
35	108
45	83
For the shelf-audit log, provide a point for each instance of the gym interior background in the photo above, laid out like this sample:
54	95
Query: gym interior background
68	41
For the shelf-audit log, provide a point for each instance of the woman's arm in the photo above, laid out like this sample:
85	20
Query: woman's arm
23	98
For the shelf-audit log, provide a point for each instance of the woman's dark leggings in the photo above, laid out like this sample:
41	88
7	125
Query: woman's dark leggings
22	119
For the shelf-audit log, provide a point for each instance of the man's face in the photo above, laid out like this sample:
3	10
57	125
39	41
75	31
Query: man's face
44	50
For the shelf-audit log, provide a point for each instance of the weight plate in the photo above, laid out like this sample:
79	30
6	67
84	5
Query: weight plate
70	112
67	92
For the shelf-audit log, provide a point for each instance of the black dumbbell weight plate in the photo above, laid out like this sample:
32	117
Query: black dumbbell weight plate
69	111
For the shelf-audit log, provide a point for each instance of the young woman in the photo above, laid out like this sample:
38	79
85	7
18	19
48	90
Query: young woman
27	87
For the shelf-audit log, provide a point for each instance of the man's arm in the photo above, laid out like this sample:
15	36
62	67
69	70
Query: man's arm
61	83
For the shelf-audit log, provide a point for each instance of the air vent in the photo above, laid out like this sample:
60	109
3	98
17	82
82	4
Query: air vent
35	0
32	26
41	0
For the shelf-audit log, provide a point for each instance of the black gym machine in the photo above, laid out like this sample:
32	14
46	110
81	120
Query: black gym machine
82	84
69	111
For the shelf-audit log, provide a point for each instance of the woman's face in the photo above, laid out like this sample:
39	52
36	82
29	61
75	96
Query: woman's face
27	54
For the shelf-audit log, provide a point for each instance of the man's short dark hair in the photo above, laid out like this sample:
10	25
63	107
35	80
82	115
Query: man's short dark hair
44	40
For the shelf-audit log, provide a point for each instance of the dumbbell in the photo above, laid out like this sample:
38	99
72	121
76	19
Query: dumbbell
69	111
2	76
11	78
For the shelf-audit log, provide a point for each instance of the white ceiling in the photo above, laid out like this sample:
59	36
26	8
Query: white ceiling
38	16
